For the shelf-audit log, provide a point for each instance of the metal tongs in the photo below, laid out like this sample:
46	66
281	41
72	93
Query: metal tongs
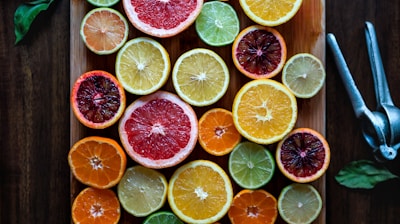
380	128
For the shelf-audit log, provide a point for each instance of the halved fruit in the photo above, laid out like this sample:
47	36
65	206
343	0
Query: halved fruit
259	52
97	99
159	130
162	18
303	155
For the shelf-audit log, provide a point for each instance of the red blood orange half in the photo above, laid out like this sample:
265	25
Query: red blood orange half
159	130
97	99
303	155
162	18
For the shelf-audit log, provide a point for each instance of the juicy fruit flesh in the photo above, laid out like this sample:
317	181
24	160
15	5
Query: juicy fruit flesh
259	52
302	154
98	99
162	14
158	129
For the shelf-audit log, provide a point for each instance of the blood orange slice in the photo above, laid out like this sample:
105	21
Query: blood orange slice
259	52
162	18
303	155
97	99
159	130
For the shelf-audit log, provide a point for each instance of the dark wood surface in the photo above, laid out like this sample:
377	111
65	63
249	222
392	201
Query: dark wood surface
34	113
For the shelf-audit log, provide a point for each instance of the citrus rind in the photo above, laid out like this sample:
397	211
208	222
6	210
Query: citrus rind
103	3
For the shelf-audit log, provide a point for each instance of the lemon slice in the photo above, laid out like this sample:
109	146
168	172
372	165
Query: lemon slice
103	3
142	66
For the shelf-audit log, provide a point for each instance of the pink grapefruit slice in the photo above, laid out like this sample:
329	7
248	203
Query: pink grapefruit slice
158	130
162	18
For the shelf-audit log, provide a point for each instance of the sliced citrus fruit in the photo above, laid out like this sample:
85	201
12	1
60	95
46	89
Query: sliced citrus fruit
97	99
200	192
162	217
103	3
159	130
303	155
217	133
253	206
251	165
97	161
299	203
200	77
259	52
104	30
142	190
142	66
94	205
304	75
272	12
264	111
217	24
162	18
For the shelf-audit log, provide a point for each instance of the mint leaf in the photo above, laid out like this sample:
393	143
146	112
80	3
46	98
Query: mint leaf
363	174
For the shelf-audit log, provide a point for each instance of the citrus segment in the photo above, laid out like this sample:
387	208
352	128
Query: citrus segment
103	3
253	206
200	77
217	133
299	203
303	155
217	24
104	30
142	190
142	66
159	130
251	165
162	217
272	12
264	111
304	75
97	161
259	52
97	99
200	192
162	18
92	205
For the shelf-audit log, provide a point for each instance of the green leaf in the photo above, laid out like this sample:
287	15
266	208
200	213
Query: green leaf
25	14
363	174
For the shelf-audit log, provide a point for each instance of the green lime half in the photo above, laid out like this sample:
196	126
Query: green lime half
103	3
217	24
162	217
299	203
251	165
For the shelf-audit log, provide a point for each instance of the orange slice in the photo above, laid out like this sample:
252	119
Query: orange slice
264	111
217	133
97	161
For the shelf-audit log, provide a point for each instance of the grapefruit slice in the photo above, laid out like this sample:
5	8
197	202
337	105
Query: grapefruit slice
159	130
164	18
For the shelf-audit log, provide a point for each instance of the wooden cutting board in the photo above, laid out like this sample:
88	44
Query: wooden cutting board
304	33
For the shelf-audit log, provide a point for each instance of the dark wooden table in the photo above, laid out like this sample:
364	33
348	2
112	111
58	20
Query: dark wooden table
35	112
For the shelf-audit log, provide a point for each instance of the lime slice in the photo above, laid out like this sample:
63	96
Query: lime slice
251	165
299	203
217	24
162	217
103	3
142	190
304	75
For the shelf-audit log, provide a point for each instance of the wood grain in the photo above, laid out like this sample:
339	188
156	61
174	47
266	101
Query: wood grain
304	33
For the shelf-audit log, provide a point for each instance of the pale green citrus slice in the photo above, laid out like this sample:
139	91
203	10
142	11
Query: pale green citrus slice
299	203
142	66
200	77
162	217
251	165
104	30
304	75
217	24
103	3
142	190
